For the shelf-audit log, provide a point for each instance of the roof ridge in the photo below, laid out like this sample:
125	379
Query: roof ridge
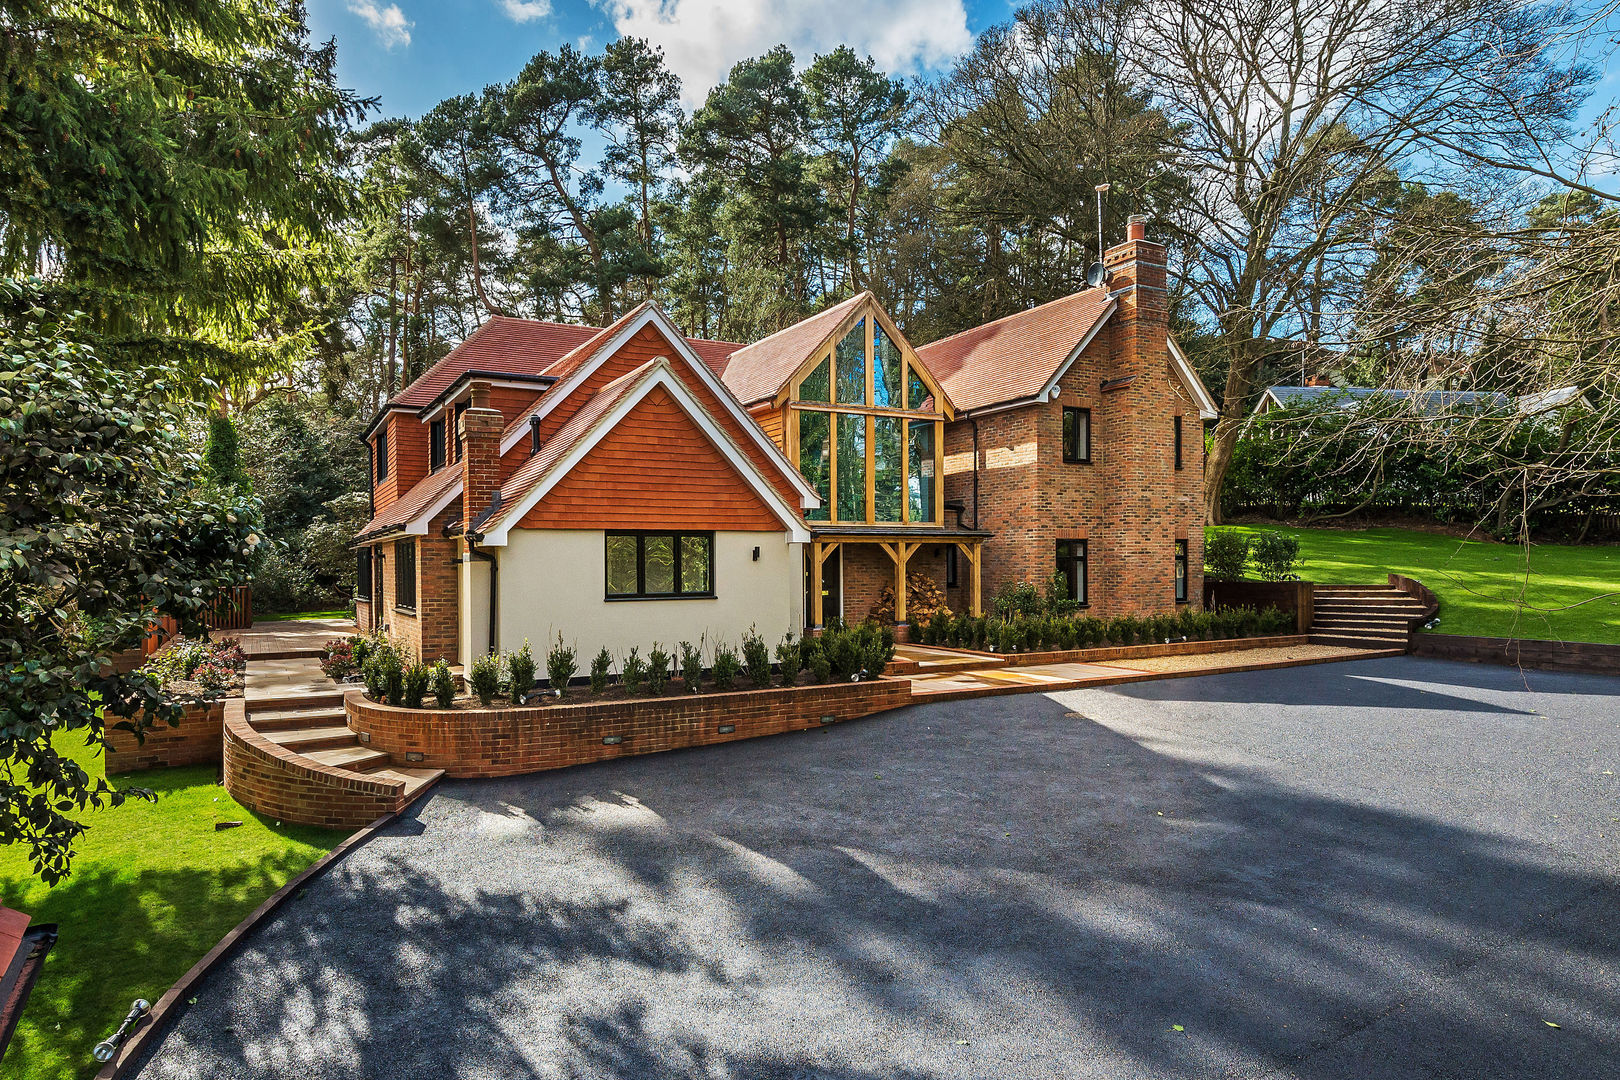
807	318
1004	318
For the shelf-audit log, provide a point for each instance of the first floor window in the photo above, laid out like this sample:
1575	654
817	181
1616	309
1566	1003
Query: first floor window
380	453
1178	442
657	565
1071	564
436	445
1077	435
405	575
1181	571
362	574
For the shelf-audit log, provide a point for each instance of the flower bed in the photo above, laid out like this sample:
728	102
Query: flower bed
197	676
510	740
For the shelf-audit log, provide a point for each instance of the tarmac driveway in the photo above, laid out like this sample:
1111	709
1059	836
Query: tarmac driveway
1386	868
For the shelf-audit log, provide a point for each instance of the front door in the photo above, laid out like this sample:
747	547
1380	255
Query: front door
832	592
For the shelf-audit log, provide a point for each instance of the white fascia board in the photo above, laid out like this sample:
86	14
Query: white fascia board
1049	392
560	391
1206	404
661	376
418	526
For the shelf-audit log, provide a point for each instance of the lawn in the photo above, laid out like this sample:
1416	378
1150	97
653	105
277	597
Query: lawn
1560	593
154	887
289	616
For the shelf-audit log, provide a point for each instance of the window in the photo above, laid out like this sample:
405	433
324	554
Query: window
1077	435
381	447
362	574
851	467
849	363
644	566
405	575
1181	571
886	468
952	580
885	371
920	465
1071	563
436	445
815	459
1178	442
455	419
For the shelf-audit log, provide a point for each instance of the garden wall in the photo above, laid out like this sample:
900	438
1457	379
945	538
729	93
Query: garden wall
507	741
1296	597
196	741
1546	655
1129	652
275	782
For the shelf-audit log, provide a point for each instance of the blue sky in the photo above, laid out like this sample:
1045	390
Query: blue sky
414	53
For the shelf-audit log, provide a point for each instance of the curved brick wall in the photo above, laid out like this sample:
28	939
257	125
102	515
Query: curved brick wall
278	783
513	740
193	741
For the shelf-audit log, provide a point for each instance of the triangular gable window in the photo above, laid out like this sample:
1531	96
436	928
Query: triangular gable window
817	385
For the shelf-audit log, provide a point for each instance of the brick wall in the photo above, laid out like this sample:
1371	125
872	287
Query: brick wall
511	741
274	782
196	741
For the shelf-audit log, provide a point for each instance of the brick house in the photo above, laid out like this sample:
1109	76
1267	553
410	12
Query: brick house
629	485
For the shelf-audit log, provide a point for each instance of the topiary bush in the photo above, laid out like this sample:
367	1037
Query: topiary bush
691	667
443	685
599	670
559	666
726	667
1226	554
520	672
1275	555
790	658
757	659
633	672
484	678
416	680
657	670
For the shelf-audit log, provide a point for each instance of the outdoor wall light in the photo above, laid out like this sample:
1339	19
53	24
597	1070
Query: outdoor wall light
413	755
756	554
612	740
829	719
727	729
363	736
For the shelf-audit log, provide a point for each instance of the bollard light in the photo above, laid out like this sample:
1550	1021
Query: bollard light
106	1048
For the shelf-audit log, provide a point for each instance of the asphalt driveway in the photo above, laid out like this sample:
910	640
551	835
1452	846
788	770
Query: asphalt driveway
1390	868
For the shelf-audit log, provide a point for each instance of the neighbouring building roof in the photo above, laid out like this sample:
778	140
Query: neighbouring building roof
1017	356
1433	402
756	372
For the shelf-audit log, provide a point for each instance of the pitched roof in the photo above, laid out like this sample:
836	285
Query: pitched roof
1430	402
1016	356
427	491
755	372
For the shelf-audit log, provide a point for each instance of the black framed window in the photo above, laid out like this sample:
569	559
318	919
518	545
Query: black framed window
1077	435
1178	442
663	566
381	447
1181	571
405	574
951	572
362	574
436	445
460	408
1071	563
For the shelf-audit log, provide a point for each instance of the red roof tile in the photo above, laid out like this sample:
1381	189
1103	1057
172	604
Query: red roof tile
424	494
756	372
1013	357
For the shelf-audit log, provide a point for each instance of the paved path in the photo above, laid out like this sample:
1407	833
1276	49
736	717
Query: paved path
287	636
1389	868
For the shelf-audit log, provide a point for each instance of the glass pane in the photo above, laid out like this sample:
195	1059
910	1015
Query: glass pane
851	366
1068	433
920	484
816	385
621	565
815	459
886	467
851	467
917	395
695	564
1082	434
658	564
885	370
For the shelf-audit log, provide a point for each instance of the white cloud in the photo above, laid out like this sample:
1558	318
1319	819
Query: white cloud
703	38
388	23
522	11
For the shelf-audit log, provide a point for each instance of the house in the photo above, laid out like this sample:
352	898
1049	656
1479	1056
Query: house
1432	402
628	485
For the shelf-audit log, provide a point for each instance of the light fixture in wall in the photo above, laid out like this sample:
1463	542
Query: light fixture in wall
727	729
756	554
612	740
829	720
364	736
413	755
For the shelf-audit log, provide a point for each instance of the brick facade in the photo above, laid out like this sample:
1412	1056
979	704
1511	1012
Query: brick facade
195	741
512	741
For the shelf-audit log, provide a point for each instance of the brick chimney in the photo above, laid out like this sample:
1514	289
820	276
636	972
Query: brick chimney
481	428
1137	281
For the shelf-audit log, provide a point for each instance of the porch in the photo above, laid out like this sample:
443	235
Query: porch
899	543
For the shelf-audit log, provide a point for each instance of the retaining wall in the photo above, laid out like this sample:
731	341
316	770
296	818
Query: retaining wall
1582	656
195	741
524	739
277	783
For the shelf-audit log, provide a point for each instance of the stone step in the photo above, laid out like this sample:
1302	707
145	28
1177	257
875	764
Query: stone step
303	740
1368	609
291	719
1320	589
271	700
1362	620
1359	641
416	780
355	758
1349	600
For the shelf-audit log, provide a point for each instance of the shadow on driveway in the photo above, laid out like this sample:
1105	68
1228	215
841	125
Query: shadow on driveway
982	888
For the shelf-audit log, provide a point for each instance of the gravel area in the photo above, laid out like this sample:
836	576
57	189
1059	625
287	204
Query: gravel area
1217	661
1396	868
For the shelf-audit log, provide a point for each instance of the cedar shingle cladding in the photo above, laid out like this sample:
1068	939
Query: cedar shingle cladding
662	473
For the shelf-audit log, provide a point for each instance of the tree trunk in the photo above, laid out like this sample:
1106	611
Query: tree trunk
393	324
1241	370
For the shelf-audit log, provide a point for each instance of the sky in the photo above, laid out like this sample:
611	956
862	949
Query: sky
415	53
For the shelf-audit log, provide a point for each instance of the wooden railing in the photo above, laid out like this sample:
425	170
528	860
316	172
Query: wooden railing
231	610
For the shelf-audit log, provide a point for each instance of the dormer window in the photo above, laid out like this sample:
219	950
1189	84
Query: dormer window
436	445
381	446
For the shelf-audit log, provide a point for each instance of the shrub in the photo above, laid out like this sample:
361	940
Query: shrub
820	664
384	675
727	667
938	627
757	659
790	658
599	670
416	679
1275	555
339	662
845	651
443	685
361	648
1058	600
484	678
559	666
879	650
633	672
657	670
1226	553
520	672
692	666
1017	598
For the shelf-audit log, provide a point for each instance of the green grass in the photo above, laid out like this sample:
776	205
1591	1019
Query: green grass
288	616
154	887
1558	593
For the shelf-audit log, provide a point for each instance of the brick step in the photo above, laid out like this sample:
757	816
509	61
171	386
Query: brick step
355	758
1359	626
1369	609
966	663
293	719
1359	641
273	702
1369	601
1364	617
303	740
1320	589
286	654
416	780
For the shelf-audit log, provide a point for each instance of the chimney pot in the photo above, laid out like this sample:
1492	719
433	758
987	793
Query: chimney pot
1136	227
480	395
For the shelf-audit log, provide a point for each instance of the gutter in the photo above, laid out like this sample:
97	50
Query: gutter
473	536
